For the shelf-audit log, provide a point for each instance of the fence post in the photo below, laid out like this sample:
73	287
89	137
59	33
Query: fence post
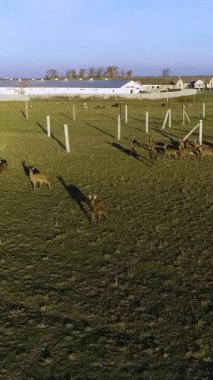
165	120
201	132
119	126
26	110
170	118
66	134
183	114
73	112
147	122
204	110
126	114
48	126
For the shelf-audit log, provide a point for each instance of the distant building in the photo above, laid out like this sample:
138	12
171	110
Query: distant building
150	84
33	87
198	84
209	83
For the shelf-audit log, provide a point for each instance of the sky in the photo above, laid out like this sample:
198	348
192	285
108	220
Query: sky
145	36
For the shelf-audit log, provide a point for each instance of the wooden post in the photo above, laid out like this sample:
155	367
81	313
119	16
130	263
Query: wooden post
119	126
192	130
26	110
147	123
170	118
204	110
185	115
121	109
66	134
165	120
48	126
126	114
201	132
73	112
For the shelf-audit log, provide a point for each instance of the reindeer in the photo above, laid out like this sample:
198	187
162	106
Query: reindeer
38	179
84	106
173	152
197	150
3	165
188	152
153	152
206	151
98	208
133	144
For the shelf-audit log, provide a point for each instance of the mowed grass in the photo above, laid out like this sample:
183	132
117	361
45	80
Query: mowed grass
127	298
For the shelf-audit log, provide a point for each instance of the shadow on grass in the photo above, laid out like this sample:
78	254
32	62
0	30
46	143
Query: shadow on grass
24	114
76	194
130	152
171	137
66	116
100	130
52	135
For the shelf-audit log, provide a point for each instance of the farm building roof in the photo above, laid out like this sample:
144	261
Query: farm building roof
64	83
172	79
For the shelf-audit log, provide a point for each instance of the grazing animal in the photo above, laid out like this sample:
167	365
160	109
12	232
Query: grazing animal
115	105
188	152
134	143
3	165
38	179
172	152
84	106
197	151
153	151
98	208
99	107
206	152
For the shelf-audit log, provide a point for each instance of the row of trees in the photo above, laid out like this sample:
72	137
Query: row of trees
92	72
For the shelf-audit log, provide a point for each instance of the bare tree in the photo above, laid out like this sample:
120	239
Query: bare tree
71	74
166	72
129	74
92	72
52	74
82	73
112	71
123	74
100	72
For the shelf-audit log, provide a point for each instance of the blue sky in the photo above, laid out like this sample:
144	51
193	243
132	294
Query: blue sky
143	35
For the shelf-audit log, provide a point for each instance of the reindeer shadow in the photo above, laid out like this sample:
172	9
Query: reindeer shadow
129	151
78	196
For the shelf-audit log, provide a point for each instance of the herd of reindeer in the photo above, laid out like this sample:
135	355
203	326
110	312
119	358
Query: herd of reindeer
177	150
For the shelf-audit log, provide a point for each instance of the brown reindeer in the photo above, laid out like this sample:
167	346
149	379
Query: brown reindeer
38	179
3	165
98	208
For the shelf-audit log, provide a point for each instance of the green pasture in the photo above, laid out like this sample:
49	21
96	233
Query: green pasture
127	298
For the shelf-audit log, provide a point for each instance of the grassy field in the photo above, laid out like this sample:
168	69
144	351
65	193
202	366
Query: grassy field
127	298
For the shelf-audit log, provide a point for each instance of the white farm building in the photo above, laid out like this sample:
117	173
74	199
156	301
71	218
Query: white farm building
66	87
